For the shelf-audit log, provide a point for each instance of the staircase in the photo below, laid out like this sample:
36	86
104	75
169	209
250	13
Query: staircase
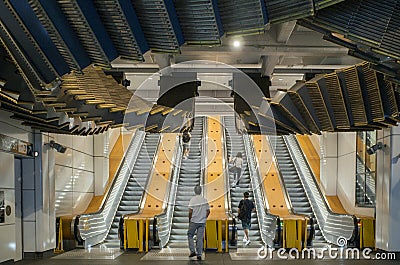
134	189
365	185
234	144
292	183
189	177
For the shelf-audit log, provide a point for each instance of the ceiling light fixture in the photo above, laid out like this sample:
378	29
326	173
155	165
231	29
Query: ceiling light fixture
236	44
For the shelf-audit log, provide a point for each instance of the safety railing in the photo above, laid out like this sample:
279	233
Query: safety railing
333	226
137	233
365	183
163	221
268	223
217	232
366	228
93	228
295	233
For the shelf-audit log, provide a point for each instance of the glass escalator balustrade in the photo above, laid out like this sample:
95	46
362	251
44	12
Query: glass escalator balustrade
292	182
135	187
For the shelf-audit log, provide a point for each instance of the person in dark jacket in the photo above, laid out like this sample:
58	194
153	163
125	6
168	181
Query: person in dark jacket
246	207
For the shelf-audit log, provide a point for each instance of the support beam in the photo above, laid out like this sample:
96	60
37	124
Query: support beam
284	31
268	64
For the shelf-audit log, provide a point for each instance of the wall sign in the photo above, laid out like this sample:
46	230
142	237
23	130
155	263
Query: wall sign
15	146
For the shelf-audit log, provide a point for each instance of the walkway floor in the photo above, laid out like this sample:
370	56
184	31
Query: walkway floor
131	257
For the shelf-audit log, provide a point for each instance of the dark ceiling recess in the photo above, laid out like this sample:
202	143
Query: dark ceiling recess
248	91
178	88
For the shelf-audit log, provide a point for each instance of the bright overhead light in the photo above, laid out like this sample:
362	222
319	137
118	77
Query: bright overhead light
236	43
280	79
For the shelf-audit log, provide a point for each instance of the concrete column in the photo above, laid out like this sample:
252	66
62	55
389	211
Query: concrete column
38	198
388	190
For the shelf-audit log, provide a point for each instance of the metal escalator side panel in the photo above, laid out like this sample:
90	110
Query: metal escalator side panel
93	228
135	188
333	226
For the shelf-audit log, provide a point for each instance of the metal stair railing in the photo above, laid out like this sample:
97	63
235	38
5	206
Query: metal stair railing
93	228
366	181
333	226
268	223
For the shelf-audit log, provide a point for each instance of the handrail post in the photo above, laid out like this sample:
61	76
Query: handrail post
140	235
147	234
125	234
226	235
219	224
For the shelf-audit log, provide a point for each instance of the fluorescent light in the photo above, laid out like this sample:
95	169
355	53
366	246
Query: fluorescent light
280	79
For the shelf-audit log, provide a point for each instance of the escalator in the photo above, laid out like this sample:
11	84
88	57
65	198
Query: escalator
294	187
235	144
131	198
190	175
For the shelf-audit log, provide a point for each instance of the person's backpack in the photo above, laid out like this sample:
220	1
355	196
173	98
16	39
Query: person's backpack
185	137
243	211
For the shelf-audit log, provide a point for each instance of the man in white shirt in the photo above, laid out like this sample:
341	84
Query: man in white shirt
199	210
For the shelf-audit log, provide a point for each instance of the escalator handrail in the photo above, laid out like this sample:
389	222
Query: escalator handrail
285	192
147	183
228	209
203	170
172	190
295	144
116	174
313	175
258	195
137	140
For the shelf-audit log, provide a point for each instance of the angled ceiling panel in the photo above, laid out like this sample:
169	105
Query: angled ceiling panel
86	23
122	25
240	17
29	18
61	33
200	21
160	24
27	51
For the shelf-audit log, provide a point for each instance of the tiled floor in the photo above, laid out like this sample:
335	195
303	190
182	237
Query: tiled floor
131	257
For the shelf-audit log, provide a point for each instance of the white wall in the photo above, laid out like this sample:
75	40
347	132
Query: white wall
338	170
101	155
74	174
10	231
328	163
388	191
53	183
